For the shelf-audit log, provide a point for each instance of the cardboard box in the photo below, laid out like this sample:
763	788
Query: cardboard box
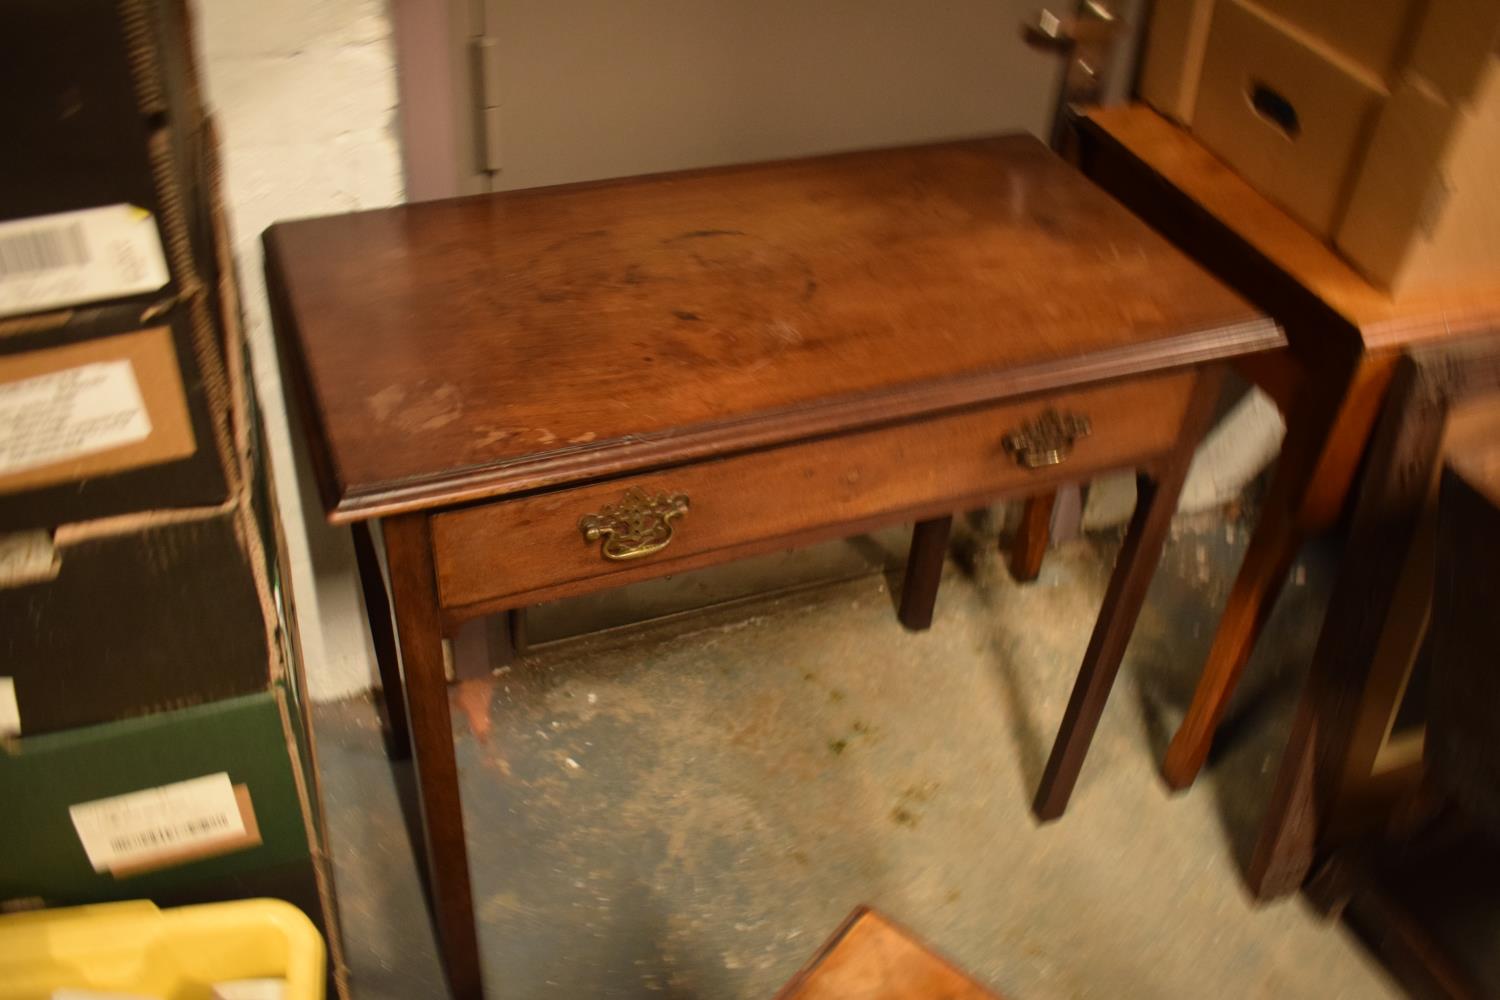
119	393
1173	60
136	622
99	106
114	619
1287	115
161	587
1453	46
1447	42
150	610
111	410
1425	209
1372	33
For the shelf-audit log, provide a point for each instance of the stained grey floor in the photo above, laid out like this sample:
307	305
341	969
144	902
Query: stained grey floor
686	809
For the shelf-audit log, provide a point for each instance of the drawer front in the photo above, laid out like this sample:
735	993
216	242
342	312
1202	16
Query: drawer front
923	469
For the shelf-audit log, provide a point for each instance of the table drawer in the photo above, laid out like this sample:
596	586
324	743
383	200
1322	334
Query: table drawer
488	553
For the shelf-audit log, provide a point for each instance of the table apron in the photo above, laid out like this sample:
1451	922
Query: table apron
512	553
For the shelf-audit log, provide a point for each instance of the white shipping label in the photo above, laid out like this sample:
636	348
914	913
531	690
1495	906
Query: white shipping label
10	712
62	415
126	829
70	258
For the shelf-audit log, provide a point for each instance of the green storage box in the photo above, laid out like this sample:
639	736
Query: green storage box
249	738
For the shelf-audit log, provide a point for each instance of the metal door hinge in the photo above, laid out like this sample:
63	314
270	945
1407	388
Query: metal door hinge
486	87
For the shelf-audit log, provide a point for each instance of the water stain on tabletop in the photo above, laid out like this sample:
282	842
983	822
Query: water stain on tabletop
427	408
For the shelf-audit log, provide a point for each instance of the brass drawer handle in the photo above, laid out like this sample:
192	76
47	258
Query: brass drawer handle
634	527
1047	440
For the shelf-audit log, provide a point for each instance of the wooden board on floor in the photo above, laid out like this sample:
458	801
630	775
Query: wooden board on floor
871	958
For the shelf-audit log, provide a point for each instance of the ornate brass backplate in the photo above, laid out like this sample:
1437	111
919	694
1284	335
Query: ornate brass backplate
636	526
1047	440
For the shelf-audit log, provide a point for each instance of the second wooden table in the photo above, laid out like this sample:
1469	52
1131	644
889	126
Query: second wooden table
1345	339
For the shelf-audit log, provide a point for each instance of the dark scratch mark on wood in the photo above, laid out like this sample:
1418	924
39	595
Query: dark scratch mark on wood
699	234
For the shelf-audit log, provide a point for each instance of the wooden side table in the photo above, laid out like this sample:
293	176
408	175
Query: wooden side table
545	393
1344	337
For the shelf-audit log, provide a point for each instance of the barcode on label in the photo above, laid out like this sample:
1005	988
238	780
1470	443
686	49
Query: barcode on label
43	250
169	836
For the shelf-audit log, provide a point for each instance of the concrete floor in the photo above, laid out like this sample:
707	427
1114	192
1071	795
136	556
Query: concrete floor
687	809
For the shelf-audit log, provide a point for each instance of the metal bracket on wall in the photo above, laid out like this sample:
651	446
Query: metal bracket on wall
1087	39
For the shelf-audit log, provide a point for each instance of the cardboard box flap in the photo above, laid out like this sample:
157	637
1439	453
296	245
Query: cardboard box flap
1454	45
1373	34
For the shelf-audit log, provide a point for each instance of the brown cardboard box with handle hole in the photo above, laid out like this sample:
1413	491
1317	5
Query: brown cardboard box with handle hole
1285	112
1425	207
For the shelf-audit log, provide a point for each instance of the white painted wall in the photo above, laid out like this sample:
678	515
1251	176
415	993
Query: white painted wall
305	95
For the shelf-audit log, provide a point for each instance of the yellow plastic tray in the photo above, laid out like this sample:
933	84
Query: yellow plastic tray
136	948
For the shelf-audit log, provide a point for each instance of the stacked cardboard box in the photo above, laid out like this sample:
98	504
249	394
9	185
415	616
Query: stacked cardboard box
1375	123
1424	208
156	740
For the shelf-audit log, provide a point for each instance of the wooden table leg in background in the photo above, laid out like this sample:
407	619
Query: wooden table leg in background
383	636
1032	536
1326	435
1273	546
924	571
1134	566
408	549
1335	733
515	627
